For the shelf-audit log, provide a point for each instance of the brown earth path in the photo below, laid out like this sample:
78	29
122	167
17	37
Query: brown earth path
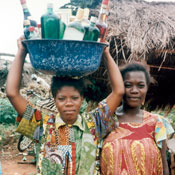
11	166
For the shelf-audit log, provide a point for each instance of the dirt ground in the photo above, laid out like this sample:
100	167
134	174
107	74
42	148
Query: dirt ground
12	163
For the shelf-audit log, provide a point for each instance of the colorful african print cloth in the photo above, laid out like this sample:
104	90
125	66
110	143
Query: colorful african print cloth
75	149
132	148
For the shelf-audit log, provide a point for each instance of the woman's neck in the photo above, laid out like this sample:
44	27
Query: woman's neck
131	111
128	114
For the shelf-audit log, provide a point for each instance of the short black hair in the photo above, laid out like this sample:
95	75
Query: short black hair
134	67
58	82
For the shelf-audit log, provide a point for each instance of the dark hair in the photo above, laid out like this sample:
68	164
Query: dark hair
58	82
134	67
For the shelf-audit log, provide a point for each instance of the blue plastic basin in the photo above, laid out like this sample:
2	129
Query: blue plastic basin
65	57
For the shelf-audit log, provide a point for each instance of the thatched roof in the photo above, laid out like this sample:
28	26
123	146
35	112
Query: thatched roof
141	26
144	31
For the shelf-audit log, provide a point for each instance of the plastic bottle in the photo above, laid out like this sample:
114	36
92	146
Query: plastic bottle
50	24
75	30
27	14
102	20
85	19
26	28
33	34
91	31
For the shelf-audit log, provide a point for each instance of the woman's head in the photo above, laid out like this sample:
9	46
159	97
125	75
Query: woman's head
58	82
68	95
136	80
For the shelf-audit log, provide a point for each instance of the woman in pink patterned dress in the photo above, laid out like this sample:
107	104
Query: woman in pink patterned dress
138	145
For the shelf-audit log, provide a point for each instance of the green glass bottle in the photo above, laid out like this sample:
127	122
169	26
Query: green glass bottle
50	24
62	27
75	30
91	32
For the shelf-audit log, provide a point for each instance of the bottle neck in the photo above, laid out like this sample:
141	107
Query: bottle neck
79	15
102	18
25	9
49	10
103	13
92	24
26	26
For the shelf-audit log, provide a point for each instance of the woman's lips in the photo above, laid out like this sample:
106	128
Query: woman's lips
134	98
69	111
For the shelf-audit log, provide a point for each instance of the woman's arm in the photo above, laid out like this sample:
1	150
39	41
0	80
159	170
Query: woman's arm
164	158
14	79
115	97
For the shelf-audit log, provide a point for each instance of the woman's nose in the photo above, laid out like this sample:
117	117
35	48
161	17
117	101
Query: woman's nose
134	89
69	102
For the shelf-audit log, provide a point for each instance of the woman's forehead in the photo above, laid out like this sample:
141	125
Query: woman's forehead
135	75
67	90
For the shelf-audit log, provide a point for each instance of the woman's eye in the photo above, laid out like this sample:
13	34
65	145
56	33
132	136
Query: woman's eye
127	85
141	85
61	99
75	98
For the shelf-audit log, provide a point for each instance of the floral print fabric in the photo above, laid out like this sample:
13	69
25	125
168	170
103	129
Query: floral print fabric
132	148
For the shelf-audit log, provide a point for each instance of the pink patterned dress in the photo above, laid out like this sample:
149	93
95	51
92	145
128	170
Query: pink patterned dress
132	148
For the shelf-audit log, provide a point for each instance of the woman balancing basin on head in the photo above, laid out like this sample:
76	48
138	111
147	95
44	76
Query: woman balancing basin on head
69	142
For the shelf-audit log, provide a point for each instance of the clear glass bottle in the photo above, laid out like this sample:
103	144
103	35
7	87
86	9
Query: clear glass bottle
102	20
50	24
39	31
32	33
91	31
26	25
75	30
27	14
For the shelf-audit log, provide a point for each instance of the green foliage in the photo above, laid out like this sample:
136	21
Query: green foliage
74	4
85	3
3	73
7	112
95	91
83	106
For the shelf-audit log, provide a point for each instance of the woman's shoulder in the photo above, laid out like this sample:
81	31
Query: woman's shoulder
150	117
148	114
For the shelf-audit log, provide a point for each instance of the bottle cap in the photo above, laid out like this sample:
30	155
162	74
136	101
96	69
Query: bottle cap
26	22
31	29
93	19
50	5
39	25
106	2
79	14
23	1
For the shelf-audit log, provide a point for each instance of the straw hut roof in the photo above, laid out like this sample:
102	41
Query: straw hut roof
145	31
142	27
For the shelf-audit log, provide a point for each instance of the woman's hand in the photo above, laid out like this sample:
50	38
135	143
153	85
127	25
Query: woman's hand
20	45
106	50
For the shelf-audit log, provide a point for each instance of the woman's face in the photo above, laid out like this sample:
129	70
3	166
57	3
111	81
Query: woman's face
135	88
68	102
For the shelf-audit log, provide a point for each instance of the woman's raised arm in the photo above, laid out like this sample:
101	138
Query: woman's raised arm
14	79
115	97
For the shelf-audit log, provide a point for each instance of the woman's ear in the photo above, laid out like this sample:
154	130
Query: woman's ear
82	98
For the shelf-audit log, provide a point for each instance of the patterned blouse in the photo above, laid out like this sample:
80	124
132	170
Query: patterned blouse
71	149
132	148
